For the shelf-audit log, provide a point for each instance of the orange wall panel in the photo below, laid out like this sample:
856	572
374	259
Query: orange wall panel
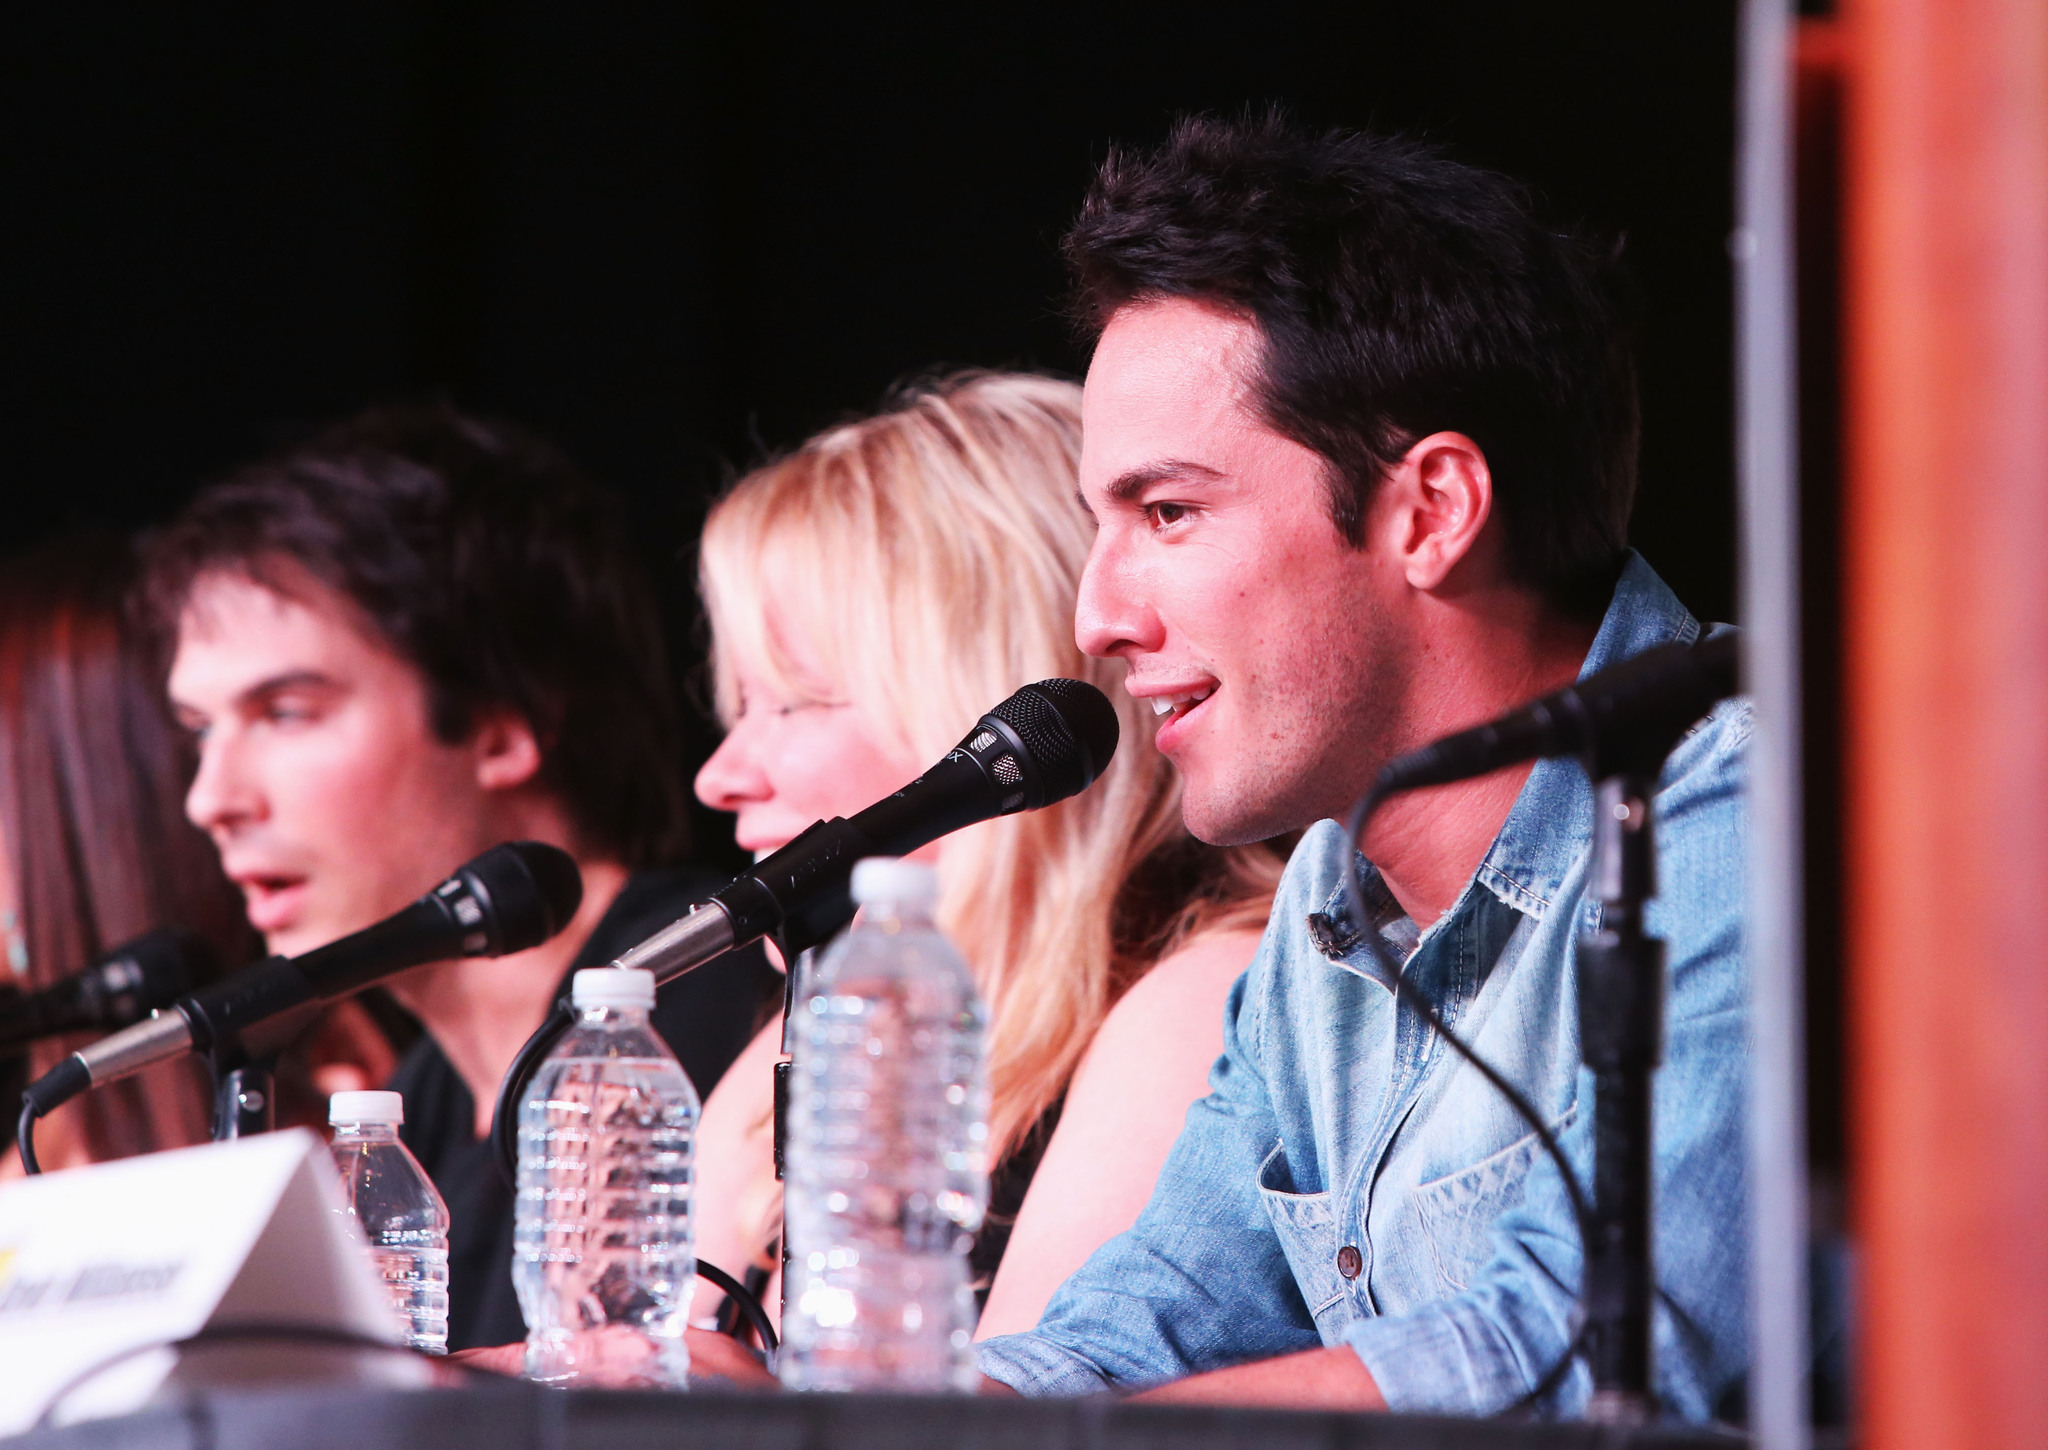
1946	674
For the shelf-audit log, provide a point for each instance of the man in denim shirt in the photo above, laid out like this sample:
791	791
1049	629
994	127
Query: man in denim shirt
1360	440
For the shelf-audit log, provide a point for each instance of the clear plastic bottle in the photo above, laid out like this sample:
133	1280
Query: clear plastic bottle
887	1177
604	1254
399	1209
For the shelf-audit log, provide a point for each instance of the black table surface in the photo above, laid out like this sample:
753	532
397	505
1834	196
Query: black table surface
515	1416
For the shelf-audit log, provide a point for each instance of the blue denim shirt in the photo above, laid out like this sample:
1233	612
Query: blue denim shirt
1336	1120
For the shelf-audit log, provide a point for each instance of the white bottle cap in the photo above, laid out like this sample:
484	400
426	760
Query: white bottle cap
889	878
612	987
366	1108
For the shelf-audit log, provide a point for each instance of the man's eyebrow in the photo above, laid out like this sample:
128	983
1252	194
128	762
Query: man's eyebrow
289	680
1127	486
255	694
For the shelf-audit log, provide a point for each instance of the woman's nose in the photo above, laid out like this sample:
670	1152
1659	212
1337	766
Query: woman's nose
733	776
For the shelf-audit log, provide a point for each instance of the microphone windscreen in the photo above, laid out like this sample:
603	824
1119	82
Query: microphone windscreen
1069	729
168	962
533	890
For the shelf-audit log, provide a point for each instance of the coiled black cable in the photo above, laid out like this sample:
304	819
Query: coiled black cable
512	1091
505	1142
748	1302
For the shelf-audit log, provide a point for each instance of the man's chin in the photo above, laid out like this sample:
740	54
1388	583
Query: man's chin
1228	822
1240	807
294	942
298	936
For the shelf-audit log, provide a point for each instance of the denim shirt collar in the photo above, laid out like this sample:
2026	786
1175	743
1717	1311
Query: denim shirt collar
1550	825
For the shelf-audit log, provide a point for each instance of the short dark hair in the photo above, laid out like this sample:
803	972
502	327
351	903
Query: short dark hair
1398	293
492	564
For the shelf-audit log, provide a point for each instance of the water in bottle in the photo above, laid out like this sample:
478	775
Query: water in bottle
604	1257
399	1209
887	1176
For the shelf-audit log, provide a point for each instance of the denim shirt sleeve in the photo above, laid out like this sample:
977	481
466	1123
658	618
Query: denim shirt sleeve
1479	1351
1200	1280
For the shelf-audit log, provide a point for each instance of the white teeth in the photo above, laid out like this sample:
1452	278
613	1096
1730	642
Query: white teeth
1166	704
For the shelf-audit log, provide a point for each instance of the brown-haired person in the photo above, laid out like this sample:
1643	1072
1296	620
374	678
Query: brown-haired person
411	638
94	849
1360	443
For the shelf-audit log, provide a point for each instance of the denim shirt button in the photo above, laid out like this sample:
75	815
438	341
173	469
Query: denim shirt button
1349	1261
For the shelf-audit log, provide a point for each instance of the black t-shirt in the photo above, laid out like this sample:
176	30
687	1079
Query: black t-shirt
706	1016
1008	1182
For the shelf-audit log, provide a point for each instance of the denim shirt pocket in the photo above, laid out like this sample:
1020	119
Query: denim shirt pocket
1306	1224
1458	1211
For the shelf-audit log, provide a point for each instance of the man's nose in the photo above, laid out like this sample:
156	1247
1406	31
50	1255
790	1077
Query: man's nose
733	777
1112	615
223	792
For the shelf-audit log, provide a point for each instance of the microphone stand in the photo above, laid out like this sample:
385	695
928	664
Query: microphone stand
794	966
1622	723
1621	1011
244	1098
245	1083
243	1064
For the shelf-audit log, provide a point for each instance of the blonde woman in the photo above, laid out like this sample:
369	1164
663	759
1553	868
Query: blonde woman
869	596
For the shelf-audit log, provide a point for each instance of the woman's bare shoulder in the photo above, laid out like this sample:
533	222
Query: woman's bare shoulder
1150	1059
1203	966
1179	1001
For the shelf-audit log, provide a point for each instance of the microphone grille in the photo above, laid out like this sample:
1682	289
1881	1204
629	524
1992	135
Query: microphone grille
1068	729
530	891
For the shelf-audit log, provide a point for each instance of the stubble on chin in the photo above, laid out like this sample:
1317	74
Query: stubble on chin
1332	751
1245	806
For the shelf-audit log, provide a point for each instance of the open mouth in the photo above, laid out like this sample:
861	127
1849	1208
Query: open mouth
1180	706
272	901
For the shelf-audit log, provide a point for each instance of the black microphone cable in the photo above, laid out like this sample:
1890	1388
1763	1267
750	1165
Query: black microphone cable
25	1136
1407	991
1631	714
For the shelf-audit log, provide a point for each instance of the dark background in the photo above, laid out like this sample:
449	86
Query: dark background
669	236
673	236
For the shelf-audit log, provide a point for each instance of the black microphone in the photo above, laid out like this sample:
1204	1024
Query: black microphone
512	897
1626	717
1045	743
123	986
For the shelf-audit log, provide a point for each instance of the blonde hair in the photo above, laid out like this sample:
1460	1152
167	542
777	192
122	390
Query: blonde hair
932	555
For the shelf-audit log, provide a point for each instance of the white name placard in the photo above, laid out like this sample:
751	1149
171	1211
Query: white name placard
96	1262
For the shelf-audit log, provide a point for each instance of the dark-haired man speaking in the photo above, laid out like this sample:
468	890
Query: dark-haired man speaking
411	638
1359	436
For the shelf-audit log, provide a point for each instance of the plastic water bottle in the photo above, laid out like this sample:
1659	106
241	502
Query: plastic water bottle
887	1177
401	1212
604	1254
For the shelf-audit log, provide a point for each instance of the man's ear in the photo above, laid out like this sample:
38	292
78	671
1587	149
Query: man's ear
1439	497
506	750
